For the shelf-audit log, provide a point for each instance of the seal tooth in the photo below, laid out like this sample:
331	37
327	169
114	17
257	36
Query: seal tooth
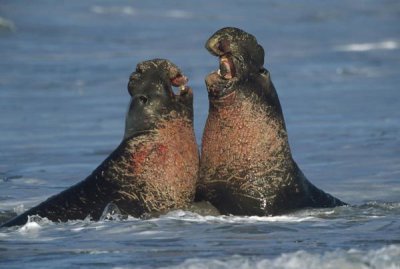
183	90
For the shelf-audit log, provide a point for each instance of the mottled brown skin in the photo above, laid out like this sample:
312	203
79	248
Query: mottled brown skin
155	167
246	166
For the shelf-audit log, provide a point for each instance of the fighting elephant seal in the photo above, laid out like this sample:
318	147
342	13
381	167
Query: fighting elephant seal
246	166
155	167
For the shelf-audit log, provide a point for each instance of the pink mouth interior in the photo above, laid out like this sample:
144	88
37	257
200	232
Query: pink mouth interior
226	67
180	81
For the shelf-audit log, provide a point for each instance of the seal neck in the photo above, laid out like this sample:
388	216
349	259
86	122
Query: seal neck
226	100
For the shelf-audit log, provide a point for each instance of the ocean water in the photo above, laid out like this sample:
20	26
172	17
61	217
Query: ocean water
64	68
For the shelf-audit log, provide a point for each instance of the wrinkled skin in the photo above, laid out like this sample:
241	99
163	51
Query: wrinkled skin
246	166
155	167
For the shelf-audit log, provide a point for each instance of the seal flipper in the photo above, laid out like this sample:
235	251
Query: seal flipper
88	197
56	208
316	198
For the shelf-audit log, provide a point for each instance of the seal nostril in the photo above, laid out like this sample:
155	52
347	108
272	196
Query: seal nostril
143	99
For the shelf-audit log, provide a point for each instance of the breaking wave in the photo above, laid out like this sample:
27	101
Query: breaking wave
386	257
7	24
383	45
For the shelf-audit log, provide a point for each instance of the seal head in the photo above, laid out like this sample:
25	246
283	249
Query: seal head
239	55
152	96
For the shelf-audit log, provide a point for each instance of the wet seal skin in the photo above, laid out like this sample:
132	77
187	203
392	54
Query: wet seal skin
154	169
246	166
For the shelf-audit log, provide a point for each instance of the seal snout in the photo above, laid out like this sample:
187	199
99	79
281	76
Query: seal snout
167	72
221	47
238	51
177	79
180	81
221	44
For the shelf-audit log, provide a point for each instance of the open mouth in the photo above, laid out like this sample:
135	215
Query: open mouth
184	94
226	67
180	81
164	69
220	81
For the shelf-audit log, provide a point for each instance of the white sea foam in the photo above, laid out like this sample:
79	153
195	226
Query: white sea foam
149	233
7	24
29	227
386	257
126	10
95	251
33	224
19	209
178	14
78	229
357	71
194	217
383	45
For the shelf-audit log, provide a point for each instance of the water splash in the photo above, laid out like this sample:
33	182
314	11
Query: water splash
111	212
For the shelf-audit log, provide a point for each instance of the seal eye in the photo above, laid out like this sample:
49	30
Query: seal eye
143	99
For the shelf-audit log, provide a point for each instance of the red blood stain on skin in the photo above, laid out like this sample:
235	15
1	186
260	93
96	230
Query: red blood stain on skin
162	149
166	164
157	152
139	157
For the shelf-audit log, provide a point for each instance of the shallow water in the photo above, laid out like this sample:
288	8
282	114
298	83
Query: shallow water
64	69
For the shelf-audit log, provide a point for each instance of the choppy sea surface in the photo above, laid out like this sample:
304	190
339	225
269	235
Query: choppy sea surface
64	67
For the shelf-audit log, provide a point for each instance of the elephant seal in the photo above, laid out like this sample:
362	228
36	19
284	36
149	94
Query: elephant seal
154	169
246	166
